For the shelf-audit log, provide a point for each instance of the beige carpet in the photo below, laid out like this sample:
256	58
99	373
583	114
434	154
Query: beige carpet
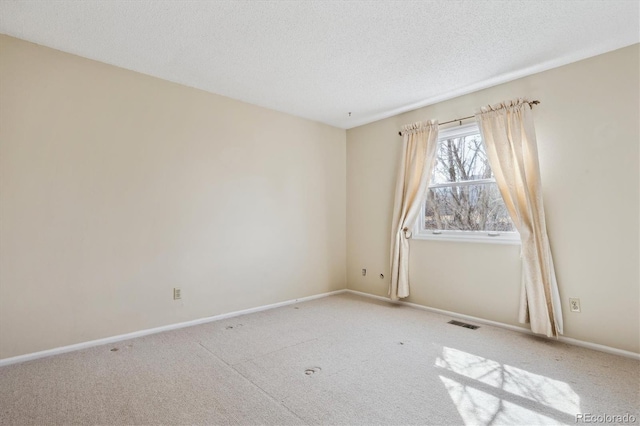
338	360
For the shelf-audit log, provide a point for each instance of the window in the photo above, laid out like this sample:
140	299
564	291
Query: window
463	200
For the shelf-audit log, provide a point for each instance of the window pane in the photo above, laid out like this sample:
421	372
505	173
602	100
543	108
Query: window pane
461	158
467	208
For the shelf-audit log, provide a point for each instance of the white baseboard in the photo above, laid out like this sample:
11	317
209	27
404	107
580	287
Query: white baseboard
112	339
568	340
118	338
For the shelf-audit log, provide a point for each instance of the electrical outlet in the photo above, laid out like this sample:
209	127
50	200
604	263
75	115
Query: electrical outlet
177	293
364	272
574	304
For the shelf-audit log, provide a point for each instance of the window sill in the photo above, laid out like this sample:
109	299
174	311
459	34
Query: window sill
510	239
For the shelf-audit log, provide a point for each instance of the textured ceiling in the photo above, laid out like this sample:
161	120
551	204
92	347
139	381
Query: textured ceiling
324	59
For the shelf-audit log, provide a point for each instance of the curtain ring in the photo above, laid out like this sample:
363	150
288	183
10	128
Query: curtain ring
406	231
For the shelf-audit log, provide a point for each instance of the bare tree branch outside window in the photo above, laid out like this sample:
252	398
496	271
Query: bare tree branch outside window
454	200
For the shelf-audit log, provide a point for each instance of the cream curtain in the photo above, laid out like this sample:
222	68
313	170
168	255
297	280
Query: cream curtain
510	140
420	141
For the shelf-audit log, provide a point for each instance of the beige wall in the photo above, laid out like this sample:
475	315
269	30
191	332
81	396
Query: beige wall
588	137
116	187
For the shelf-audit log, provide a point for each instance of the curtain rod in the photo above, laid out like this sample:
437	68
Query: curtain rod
531	104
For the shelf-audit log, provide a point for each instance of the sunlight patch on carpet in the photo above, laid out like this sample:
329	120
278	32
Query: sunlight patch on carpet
509	380
481	408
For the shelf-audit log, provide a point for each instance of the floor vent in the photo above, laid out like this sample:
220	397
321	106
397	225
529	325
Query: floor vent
464	324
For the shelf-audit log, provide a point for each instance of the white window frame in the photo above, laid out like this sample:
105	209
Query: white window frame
420	233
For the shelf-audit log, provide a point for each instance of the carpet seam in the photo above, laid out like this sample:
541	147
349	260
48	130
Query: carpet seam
253	383
273	352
